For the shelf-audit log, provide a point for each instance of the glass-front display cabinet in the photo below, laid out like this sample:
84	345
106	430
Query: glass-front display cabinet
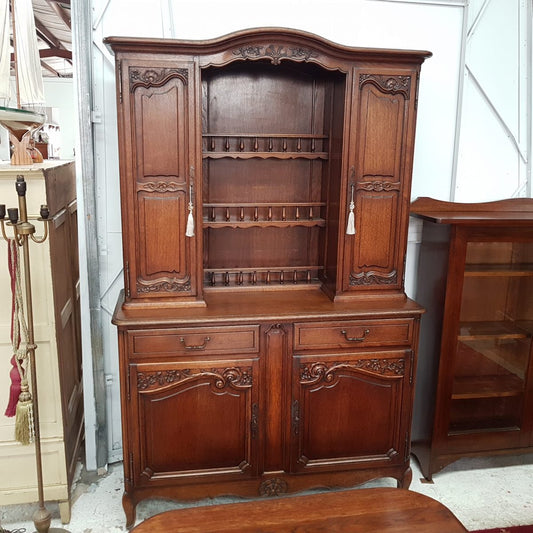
474	391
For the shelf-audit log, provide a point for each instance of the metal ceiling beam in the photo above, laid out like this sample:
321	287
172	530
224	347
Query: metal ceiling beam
60	12
55	52
47	36
51	52
53	71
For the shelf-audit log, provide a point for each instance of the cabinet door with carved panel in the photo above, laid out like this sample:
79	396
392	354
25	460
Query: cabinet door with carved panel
191	418
158	162
379	170
351	411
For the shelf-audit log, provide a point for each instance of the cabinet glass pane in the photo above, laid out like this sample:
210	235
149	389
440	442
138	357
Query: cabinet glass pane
494	337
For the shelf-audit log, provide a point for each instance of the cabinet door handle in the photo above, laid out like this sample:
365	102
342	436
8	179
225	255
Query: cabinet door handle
355	339
195	346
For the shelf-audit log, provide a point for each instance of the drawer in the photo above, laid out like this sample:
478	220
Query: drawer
190	341
352	334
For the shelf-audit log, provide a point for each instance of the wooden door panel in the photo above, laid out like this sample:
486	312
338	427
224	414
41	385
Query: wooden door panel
379	179
194	418
161	250
161	149
160	259
63	254
377	244
348	409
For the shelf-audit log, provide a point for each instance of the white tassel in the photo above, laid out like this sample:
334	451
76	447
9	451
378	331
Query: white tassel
350	228
189	231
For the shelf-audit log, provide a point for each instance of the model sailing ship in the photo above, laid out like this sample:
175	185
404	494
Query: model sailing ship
23	120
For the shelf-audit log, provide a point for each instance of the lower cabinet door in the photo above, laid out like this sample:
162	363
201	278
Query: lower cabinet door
193	418
350	410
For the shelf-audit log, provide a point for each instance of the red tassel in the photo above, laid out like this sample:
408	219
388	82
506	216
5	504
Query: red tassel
14	390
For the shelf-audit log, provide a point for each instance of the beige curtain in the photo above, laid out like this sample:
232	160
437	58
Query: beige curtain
5	52
29	65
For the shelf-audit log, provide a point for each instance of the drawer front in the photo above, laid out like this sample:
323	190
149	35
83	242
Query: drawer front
191	341
352	334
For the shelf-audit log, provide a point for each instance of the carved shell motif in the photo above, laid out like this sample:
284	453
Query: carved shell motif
273	487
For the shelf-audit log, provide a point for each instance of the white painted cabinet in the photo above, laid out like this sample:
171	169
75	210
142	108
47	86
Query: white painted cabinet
54	271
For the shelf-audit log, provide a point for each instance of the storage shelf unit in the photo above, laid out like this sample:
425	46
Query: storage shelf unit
475	382
286	345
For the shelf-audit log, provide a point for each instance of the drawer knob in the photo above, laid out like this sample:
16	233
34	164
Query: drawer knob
355	339
195	346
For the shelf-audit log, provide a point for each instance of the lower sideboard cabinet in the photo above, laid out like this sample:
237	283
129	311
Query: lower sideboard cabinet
213	406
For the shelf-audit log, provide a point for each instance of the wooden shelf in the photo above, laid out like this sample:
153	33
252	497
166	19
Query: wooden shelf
511	360
484	426
265	155
474	387
489	330
273	214
499	270
265	224
264	146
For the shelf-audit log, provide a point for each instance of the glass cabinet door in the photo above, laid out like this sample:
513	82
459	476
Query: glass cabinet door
494	338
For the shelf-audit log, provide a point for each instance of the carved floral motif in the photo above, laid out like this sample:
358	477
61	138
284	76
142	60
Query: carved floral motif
235	377
155	77
311	373
160	186
276	52
378	186
388	84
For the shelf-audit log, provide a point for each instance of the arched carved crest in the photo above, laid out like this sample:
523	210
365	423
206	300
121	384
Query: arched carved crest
275	52
388	84
155	77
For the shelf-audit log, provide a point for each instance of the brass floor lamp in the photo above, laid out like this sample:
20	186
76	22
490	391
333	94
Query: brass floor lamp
23	231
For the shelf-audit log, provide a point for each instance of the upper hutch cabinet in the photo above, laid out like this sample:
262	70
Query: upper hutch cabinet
265	184
475	383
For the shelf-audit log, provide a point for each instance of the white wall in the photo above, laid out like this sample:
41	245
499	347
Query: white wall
59	93
435	25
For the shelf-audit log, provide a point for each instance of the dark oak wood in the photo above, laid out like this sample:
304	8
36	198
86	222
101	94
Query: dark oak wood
270	351
382	509
475	378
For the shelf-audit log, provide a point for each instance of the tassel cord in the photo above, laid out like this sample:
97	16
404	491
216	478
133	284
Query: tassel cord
189	230
350	228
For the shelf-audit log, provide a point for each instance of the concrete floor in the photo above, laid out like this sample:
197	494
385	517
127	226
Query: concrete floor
483	493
